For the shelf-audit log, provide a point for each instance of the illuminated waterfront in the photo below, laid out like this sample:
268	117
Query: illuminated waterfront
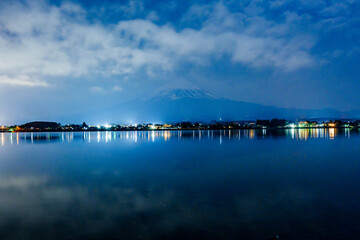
166	135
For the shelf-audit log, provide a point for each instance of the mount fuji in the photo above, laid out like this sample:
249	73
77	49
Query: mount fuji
191	104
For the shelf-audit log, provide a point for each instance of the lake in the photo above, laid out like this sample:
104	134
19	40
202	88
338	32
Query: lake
229	184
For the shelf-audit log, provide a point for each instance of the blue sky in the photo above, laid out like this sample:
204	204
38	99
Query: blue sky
63	57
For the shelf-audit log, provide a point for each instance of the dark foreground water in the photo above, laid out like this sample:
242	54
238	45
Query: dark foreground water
298	184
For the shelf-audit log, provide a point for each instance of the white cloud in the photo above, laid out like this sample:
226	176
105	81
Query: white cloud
261	43
22	182
23	81
131	7
97	89
152	16
117	88
40	40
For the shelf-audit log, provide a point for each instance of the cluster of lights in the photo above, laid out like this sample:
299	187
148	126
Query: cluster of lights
106	126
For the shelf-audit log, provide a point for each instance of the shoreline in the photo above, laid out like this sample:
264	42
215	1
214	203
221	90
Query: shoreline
172	129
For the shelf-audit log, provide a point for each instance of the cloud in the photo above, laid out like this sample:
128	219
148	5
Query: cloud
22	182
301	4
336	9
152	16
23	81
150	210
38	40
97	89
117	88
131	8
255	42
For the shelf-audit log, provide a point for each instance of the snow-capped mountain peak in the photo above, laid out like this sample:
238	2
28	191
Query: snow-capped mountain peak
179	93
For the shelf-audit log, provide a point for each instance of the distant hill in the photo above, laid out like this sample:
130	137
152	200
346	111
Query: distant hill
177	105
40	125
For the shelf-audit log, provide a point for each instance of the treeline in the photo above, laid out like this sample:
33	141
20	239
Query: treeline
271	123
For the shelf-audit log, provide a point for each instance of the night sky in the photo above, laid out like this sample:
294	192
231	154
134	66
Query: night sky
59	58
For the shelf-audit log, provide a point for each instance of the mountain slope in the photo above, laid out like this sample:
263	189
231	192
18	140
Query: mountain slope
198	105
175	94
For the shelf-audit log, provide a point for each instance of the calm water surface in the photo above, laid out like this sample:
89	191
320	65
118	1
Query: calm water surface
298	184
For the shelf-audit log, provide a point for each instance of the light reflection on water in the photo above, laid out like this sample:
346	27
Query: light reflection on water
152	136
228	184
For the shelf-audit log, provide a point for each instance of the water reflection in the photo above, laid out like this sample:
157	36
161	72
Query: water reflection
228	184
198	135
